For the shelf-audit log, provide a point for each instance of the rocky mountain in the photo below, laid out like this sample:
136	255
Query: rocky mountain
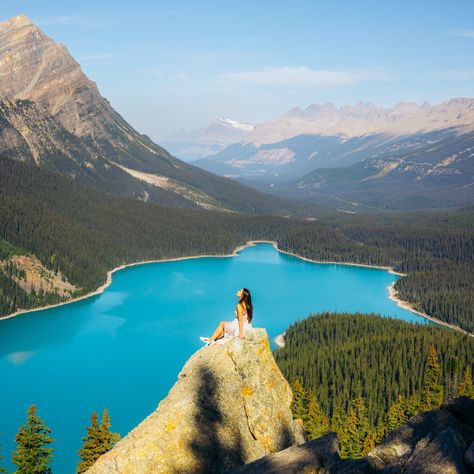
52	115
431	170
229	411
408	156
194	144
405	118
230	406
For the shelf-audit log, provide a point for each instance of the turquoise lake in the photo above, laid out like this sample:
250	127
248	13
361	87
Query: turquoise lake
123	349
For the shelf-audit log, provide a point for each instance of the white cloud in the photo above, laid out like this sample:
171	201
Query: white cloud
97	57
306	77
463	33
69	20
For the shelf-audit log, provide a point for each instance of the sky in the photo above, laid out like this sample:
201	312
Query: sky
167	65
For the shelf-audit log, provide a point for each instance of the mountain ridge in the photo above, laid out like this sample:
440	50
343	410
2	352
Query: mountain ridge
361	156
365	118
54	116
194	144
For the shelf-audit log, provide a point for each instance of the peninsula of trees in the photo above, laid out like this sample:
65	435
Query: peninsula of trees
83	233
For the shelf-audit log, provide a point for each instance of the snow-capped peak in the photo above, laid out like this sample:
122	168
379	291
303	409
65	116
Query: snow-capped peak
235	124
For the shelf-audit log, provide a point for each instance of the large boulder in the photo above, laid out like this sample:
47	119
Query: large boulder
435	442
320	456
432	442
230	406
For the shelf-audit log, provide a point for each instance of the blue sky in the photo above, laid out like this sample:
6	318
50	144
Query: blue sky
179	64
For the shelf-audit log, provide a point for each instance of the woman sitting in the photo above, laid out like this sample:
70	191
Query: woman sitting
241	323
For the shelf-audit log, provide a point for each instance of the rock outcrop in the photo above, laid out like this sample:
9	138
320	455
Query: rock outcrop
229	412
320	456
34	67
437	442
431	442
230	406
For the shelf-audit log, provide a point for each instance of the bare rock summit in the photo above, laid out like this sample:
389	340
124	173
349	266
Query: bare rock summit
230	406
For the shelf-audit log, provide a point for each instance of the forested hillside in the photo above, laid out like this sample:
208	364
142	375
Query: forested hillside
371	371
84	233
435	249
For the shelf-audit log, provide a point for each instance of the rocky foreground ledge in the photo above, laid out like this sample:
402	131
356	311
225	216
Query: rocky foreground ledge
230	406
436	442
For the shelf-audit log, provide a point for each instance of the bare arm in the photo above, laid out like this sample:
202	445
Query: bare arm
240	318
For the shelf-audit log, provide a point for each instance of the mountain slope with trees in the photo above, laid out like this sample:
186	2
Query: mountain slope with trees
364	375
84	233
53	116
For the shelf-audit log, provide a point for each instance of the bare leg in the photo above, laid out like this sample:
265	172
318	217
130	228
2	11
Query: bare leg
219	332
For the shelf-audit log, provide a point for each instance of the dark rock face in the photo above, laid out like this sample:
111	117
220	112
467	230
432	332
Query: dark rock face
436	442
469	457
431	442
318	456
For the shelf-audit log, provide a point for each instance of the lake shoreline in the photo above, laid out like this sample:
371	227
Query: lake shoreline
250	243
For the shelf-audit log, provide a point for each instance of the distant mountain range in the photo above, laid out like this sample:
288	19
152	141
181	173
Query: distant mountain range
408	156
194	144
352	157
52	115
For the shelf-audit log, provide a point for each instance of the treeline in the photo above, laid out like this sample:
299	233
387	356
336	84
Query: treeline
34	454
434	249
364	375
356	435
84	233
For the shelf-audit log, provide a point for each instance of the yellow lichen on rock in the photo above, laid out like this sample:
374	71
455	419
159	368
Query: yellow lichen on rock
246	391
230	406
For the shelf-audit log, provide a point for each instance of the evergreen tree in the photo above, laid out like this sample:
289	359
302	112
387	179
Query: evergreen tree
432	391
465	386
351	447
98	440
396	414
90	450
315	421
380	431
369	443
32	456
356	430
2	469
107	436
339	417
452	376
297	404
412	406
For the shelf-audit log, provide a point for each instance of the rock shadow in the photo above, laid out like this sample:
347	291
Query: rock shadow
213	455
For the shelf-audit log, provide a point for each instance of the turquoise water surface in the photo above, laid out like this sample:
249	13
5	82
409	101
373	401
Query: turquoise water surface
124	348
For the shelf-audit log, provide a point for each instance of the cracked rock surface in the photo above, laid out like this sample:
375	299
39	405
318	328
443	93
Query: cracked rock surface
230	406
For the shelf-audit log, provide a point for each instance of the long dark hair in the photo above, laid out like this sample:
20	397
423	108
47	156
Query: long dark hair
247	299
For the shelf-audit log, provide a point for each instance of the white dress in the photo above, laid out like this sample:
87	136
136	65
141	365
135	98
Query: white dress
232	329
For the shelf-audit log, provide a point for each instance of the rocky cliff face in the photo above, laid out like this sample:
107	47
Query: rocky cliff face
229	412
33	67
230	406
52	115
436	442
